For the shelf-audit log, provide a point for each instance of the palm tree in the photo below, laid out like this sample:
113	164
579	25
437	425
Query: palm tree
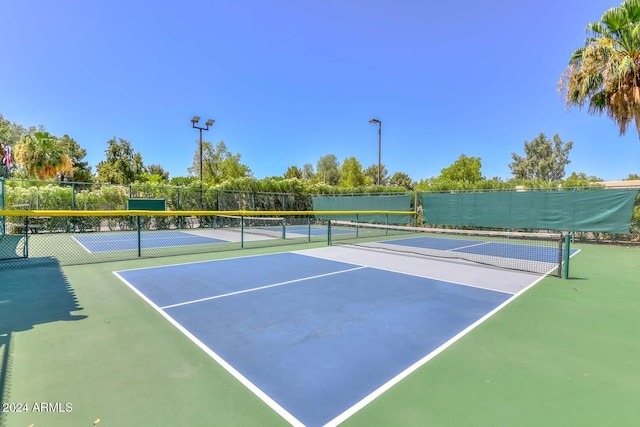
605	73
42	155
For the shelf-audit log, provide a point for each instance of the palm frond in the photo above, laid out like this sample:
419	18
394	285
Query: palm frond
615	19
597	30
576	55
633	9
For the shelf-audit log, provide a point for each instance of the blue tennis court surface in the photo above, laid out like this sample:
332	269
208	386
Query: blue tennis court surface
544	254
128	241
316	336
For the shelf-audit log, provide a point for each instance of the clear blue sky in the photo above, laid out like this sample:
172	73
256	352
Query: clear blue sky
289	81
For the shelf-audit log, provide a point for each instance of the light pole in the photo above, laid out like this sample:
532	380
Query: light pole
379	145
208	123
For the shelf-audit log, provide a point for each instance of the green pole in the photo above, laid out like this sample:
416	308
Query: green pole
329	232
309	228
567	253
139	240
26	237
73	204
242	231
2	223
73	196
284	227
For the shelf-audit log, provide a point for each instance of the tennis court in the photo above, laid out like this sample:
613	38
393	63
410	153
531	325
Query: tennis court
349	322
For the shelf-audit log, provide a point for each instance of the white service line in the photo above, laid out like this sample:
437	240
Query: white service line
467	246
260	288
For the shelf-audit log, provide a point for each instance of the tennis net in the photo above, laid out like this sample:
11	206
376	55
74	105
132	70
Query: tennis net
273	227
524	251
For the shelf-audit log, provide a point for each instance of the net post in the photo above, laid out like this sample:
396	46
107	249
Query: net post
328	232
560	251
284	227
386	231
567	253
357	228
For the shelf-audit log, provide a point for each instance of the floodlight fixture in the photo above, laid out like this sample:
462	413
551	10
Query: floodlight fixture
208	124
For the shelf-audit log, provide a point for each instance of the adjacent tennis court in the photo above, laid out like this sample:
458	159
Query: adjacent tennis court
107	242
123	241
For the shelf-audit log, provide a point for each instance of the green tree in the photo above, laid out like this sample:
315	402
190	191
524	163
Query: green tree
122	164
42	155
543	159
182	181
580	179
632	177
10	133
5	165
605	73
401	179
218	164
293	172
328	169
10	136
307	171
81	170
372	173
465	169
351	173
156	174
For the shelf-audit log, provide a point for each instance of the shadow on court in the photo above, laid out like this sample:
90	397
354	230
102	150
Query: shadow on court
29	297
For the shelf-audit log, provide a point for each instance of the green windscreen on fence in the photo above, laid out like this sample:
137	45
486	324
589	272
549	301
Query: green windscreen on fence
568	210
396	202
147	204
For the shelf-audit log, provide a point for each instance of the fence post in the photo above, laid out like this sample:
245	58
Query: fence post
2	220
139	242
241	231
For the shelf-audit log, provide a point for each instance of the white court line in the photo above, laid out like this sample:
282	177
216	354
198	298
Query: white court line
236	374
467	246
81	244
177	264
130	237
103	242
244	291
402	375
